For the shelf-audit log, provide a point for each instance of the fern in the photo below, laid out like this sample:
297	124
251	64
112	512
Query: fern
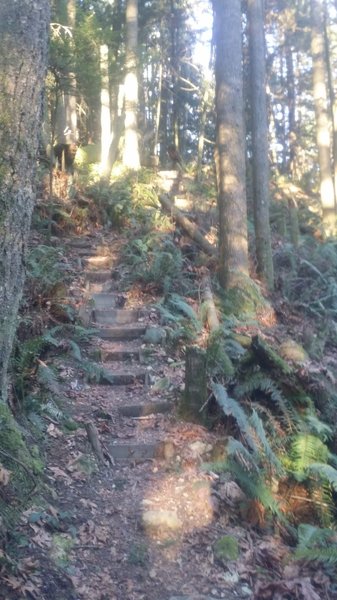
262	441
316	544
325	471
305	450
255	487
230	407
261	382
179	304
53	411
75	350
319	428
242	456
47	379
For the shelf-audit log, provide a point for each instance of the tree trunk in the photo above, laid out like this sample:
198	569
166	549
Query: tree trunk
23	56
332	98
260	146
131	158
230	143
322	118
106	136
66	116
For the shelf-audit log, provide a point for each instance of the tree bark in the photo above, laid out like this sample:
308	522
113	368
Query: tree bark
66	115
230	143
23	57
260	145
106	134
131	158
322	118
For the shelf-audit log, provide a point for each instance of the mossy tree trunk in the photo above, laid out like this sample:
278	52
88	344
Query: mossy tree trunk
23	57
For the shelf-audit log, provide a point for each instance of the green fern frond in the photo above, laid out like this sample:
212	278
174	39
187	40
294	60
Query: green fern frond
255	488
47	379
305	450
75	350
180	305
258	381
308	535
262	441
248	461
52	410
327	556
325	471
231	408
317	427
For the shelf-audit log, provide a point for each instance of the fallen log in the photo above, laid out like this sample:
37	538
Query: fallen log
190	228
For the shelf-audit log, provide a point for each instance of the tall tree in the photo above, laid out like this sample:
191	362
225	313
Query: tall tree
131	150
23	56
230	142
322	118
66	115
260	144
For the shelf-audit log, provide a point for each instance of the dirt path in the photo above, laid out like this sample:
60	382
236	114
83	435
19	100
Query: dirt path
130	514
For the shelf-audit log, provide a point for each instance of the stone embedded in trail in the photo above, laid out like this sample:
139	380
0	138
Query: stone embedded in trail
155	521
121	333
115	316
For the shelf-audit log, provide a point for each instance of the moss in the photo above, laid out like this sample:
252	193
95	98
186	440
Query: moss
226	548
292	351
245	299
10	437
218	361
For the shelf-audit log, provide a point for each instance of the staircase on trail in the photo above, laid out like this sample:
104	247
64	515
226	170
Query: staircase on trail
120	347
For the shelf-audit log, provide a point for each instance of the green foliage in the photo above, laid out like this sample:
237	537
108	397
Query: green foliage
218	360
316	544
230	407
155	259
305	450
257	381
46	272
226	548
113	201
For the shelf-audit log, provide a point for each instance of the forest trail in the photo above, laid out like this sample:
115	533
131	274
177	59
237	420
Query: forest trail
131	513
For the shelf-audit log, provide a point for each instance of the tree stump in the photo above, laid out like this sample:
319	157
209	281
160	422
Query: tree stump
195	395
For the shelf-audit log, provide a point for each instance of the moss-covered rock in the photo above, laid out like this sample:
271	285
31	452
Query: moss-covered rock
226	548
292	351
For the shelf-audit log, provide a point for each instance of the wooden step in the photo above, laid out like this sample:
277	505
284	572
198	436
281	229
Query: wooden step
138	452
115	316
83	242
98	276
97	262
103	300
122	377
121	333
143	410
120	355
